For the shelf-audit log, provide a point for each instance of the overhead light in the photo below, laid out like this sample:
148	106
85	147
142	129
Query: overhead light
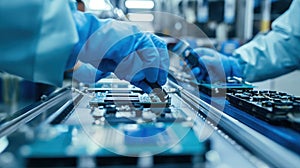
138	4
140	17
99	5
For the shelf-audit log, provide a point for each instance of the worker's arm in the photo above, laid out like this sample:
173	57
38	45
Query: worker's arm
122	48
275	53
37	38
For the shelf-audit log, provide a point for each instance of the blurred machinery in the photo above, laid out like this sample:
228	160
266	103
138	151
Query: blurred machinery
228	22
225	23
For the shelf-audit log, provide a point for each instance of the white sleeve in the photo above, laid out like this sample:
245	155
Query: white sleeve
275	53
37	39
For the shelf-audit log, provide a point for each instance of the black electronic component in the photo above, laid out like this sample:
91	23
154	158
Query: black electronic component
111	109
132	98
157	91
271	106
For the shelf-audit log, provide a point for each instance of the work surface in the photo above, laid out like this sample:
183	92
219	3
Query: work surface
97	127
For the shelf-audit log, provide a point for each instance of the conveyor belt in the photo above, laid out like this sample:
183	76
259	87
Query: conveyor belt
11	123
265	143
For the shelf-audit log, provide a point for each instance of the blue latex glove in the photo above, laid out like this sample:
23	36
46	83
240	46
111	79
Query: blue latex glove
215	67
120	47
88	74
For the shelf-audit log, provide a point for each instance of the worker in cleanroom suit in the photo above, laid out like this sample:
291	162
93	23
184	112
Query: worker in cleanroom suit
40	39
266	56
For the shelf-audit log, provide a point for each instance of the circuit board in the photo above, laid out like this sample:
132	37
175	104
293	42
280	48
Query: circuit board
117	124
136	99
221	88
212	89
274	107
118	106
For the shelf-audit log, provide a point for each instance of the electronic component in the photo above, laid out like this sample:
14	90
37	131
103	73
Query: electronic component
221	88
158	94
271	106
117	106
133	98
212	89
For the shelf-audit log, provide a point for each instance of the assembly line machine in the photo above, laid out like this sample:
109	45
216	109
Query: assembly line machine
115	124
188	124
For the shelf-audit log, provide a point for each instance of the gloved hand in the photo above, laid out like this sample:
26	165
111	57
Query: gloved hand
88	74
120	47
214	67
